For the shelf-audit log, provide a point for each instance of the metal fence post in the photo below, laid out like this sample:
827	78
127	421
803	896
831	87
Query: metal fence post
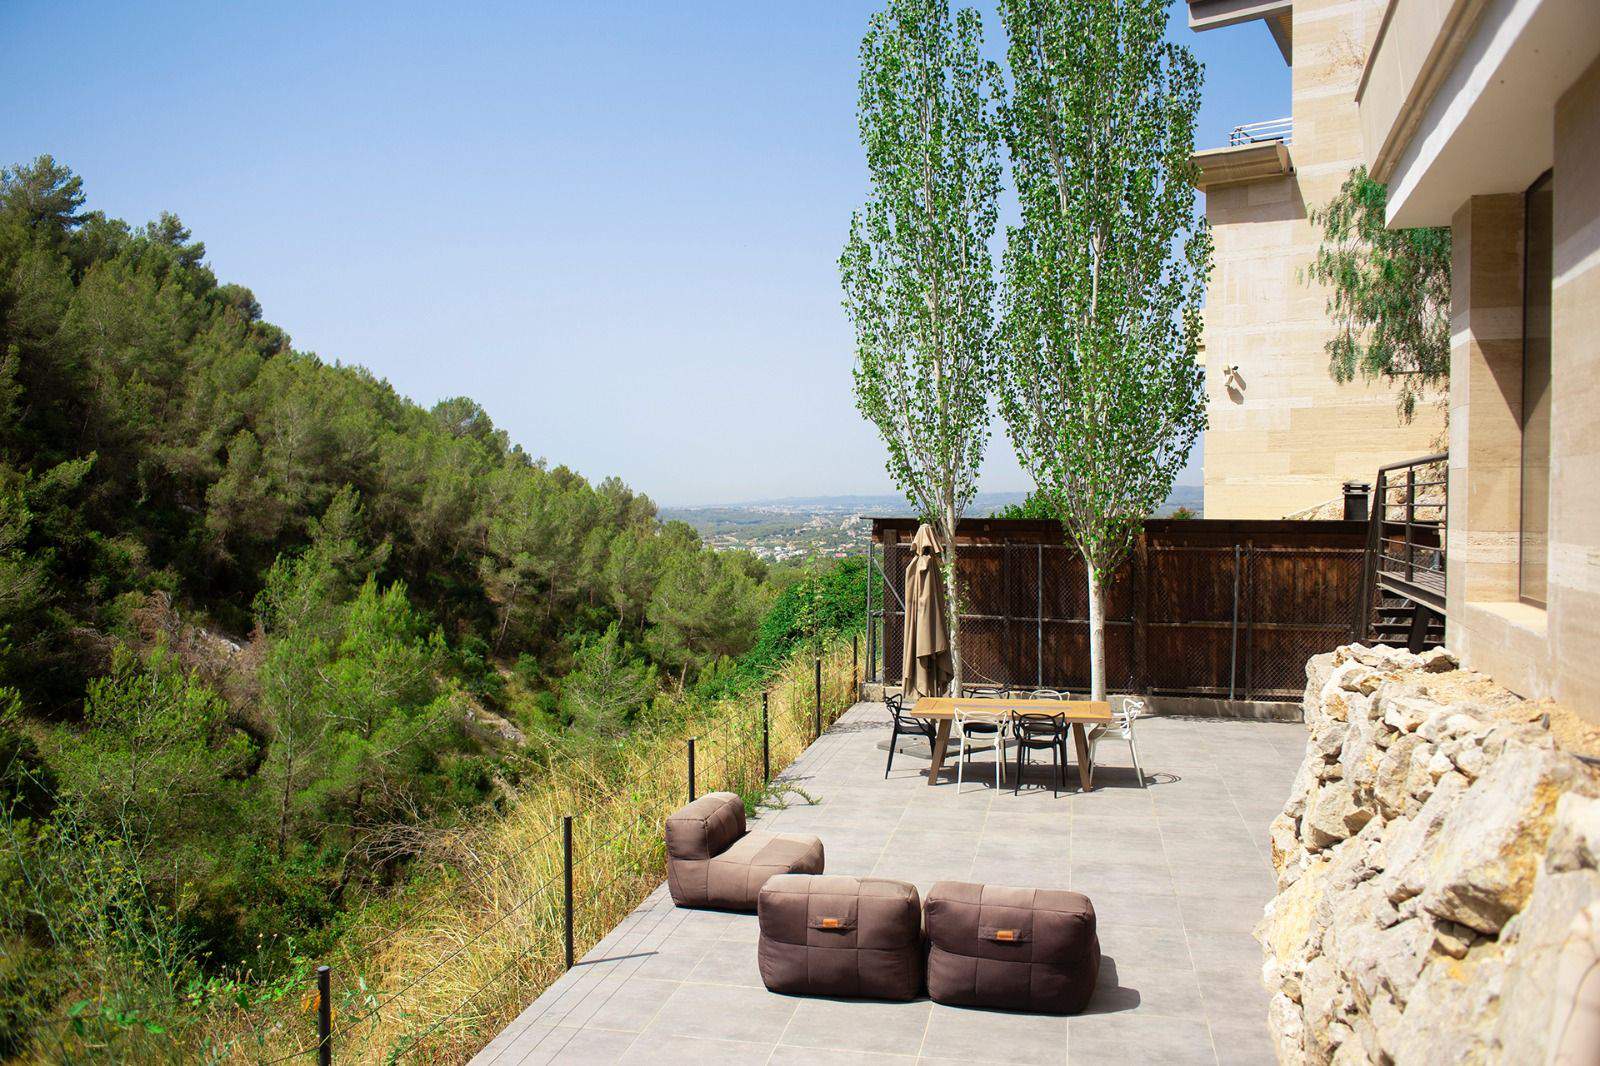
766	743
1038	615
855	661
1233	654
691	769
324	1016
816	718
566	873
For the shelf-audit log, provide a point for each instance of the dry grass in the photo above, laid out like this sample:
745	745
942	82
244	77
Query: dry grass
455	962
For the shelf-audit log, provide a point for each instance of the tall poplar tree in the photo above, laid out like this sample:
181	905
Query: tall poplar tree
918	277
1103	279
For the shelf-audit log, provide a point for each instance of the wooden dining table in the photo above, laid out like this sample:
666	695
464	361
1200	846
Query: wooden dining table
1080	714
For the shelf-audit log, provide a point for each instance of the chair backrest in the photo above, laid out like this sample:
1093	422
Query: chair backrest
1043	694
964	718
985	692
1041	726
897	710
705	828
1128	708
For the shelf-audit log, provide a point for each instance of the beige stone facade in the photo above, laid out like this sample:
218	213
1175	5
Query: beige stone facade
1484	115
1284	435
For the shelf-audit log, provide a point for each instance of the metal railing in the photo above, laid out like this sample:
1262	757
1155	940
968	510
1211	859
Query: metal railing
1405	558
1276	129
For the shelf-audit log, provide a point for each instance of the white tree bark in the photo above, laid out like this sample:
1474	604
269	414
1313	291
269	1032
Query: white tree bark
1097	633
953	604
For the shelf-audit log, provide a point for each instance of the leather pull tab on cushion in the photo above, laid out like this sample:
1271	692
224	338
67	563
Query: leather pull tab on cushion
1003	936
833	924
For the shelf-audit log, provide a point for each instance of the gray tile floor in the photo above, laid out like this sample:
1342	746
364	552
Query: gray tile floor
1178	873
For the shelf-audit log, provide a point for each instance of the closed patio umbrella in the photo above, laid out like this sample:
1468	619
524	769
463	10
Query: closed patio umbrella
927	668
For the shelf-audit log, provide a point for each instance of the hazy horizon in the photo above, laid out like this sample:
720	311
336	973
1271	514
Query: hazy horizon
618	234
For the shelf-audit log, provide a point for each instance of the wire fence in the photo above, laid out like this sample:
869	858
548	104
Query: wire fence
1226	620
502	925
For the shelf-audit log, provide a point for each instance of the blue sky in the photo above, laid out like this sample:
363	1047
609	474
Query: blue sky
613	224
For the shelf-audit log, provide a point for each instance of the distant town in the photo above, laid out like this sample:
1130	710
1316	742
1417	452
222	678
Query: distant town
834	527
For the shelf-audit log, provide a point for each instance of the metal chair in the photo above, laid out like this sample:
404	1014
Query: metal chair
972	726
905	723
1123	714
1041	732
1044	694
985	692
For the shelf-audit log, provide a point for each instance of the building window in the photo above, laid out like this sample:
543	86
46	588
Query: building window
1533	557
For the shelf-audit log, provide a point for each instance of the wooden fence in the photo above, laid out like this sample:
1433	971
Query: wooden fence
1215	608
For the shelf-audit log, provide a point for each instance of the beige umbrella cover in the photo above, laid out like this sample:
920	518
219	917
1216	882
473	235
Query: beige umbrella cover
927	668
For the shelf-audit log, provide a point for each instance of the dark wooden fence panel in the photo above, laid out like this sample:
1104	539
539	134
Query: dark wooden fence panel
1212	608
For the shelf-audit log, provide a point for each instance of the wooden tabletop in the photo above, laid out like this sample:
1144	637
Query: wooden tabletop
944	707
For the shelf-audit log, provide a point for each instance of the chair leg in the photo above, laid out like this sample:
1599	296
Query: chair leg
999	763
1134	748
894	738
1016	784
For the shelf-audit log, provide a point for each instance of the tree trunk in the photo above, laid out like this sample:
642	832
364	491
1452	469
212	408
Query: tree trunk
953	604
1097	633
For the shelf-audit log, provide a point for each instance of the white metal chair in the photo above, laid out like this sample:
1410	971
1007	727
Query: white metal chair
1043	694
988	729
1123	713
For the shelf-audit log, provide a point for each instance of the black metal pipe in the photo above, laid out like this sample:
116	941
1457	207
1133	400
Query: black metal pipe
691	769
566	876
1357	495
816	717
324	1016
766	743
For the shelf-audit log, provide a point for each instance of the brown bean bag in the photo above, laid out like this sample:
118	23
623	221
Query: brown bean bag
1025	949
840	936
713	862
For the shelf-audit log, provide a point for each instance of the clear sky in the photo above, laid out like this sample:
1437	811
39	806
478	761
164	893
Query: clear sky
615	225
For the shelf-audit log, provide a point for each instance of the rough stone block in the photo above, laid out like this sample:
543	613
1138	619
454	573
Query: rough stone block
1494	838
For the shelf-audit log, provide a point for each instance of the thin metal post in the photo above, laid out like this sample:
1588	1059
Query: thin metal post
766	743
1233	655
324	1016
1411	517
855	661
691	769
566	875
816	719
868	626
1038	615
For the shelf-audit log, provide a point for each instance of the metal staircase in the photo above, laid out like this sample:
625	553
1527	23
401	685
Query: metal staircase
1403	582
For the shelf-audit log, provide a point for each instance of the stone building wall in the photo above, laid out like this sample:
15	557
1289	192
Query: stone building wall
1438	868
1284	436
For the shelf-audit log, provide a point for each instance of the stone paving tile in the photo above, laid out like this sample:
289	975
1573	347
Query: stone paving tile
1178	872
722	1012
858	1025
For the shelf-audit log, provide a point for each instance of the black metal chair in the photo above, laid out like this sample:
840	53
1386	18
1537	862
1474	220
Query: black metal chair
908	724
1041	732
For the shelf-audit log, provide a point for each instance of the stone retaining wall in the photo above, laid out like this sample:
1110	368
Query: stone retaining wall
1439	897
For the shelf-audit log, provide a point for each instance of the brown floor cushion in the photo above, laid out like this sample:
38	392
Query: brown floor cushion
713	862
1025	949
840	936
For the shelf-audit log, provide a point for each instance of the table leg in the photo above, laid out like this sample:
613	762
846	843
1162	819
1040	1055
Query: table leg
1080	739
941	741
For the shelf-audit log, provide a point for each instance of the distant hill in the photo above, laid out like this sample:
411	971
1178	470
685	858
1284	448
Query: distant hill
797	528
758	511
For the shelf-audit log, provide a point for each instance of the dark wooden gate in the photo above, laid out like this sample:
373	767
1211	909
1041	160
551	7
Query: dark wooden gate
1205	608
